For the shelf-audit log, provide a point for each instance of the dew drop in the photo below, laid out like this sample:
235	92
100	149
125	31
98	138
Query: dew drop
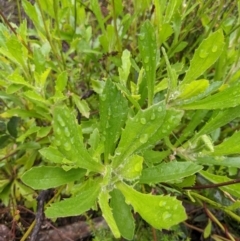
138	167
160	109
103	97
147	68
143	121
146	60
66	131
143	138
61	121
153	116
142	36
117	153
166	215
203	53
58	143
162	203
58	131
67	146
214	48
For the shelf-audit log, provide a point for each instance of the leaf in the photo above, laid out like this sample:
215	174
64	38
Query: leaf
103	201
228	146
113	114
125	69
218	119
145	129
169	172
82	105
205	56
159	211
61	81
69	141
229	97
30	131
219	161
32	95
132	168
122	215
193	88
12	126
148	51
151	157
75	206
45	177
231	189
208	229
52	154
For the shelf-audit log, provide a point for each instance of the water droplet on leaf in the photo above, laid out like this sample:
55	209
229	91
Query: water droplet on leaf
160	108
147	68
103	97
61	121
203	53
143	121
67	146
162	203
143	138
66	131
146	60
214	48
138	167
142	36
166	215
153	116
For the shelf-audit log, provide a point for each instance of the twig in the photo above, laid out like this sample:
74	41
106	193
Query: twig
40	214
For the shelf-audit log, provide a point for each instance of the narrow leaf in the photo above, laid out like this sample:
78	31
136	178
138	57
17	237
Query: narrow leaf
228	146
113	113
169	172
229	97
205	56
74	206
159	211
122	215
148	51
103	201
46	177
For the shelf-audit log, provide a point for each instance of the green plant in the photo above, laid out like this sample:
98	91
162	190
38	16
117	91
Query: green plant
115	130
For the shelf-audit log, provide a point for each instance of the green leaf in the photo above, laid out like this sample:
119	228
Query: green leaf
75	206
228	146
69	140
151	157
46	177
228	97
61	81
193	88
169	172
30	131
122	215
148	51
12	126
103	201
32	95
231	189
132	168
208	229
218	119
219	161
124	71
145	129
82	105
113	113
159	211
205	56
52	154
